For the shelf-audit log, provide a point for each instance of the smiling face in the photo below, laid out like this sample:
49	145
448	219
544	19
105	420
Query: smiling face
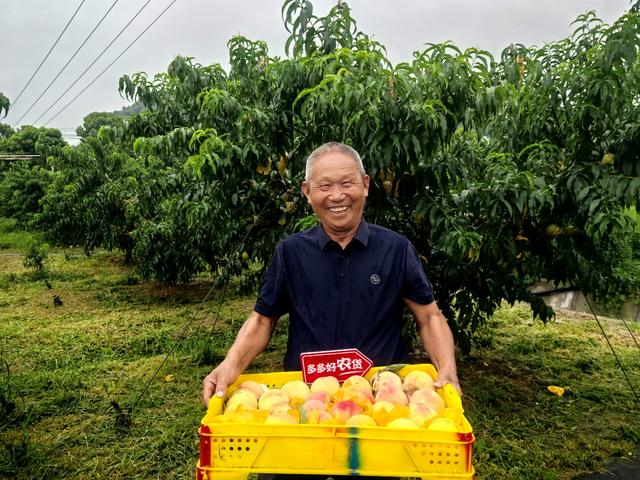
337	191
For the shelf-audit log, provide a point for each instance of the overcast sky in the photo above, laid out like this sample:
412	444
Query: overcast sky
201	29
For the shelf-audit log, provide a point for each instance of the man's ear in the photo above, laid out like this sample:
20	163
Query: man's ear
306	190
366	180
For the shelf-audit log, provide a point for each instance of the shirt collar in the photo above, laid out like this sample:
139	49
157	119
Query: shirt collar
362	235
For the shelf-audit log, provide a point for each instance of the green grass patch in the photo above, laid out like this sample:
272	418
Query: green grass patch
523	431
13	239
70	365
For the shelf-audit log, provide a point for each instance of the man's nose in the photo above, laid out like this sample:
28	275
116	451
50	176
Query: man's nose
336	191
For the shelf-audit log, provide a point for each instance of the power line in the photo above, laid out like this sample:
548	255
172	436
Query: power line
109	66
48	53
69	61
183	330
91	64
615	355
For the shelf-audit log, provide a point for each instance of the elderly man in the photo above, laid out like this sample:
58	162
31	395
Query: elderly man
343	283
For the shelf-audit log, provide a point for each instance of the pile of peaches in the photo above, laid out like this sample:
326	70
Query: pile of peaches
389	400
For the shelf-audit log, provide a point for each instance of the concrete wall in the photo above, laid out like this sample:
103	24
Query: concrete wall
576	301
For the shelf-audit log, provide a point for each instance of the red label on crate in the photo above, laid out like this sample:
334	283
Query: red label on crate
337	363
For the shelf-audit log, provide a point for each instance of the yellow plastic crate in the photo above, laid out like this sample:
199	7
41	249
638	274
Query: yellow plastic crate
233	450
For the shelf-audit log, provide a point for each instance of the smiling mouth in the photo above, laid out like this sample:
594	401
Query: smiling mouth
338	209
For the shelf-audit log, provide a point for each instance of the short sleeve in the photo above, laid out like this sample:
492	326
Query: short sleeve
415	287
273	300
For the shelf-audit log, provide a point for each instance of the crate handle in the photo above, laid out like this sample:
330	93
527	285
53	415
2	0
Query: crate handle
215	405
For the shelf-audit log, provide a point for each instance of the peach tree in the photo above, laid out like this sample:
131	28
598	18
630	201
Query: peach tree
502	171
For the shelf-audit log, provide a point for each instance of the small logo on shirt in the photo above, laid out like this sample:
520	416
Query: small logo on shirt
375	279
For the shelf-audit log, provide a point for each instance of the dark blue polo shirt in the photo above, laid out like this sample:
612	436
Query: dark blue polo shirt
347	298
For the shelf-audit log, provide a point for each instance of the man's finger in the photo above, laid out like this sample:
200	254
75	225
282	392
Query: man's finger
209	387
443	381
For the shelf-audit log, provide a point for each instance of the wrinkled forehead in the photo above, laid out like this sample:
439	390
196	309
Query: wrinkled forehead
335	165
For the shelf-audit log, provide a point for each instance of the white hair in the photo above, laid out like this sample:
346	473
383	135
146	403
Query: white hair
332	147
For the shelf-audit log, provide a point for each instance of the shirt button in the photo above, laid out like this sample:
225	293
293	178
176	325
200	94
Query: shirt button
342	275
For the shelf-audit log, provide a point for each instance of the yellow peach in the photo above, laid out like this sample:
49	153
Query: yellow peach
345	409
401	423
324	397
429	397
383	406
443	425
355	394
357	381
311	405
386	377
421	414
416	380
241	400
242	416
392	393
271	399
325	384
384	412
320	417
297	391
361	421
256	388
280	418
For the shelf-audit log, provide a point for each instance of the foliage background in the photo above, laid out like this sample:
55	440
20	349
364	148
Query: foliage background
502	171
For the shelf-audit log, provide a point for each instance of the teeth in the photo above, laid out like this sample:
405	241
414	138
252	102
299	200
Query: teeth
338	209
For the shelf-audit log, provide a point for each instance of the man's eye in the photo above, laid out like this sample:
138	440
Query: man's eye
324	186
347	184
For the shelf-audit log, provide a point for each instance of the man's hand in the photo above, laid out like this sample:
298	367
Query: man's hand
252	339
448	376
218	380
437	340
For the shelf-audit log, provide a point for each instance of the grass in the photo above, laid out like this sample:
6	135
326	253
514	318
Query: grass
523	431
13	240
67	369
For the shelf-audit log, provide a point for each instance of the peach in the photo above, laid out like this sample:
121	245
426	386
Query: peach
443	425
256	388
386	377
325	384
383	406
345	409
355	394
241	400
361	420
429	397
271	399
311	405
282	408
309	408
401	423
416	380
357	381
324	397
297	391
421	414
392	393
320	417
384	412
280	418
274	392
241	416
